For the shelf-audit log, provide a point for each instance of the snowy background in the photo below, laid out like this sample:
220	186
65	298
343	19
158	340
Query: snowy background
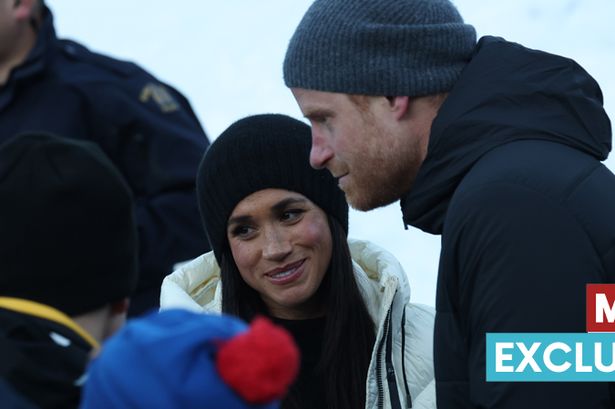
226	57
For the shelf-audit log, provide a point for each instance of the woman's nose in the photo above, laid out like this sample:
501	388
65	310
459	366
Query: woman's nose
276	246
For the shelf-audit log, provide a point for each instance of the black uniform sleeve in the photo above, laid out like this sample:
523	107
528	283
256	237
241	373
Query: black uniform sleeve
514	260
151	133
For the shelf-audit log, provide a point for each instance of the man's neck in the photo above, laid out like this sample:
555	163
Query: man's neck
18	55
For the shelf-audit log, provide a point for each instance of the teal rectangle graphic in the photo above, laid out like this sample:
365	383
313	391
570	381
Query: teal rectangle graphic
550	357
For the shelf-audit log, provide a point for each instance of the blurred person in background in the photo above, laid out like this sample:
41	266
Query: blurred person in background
146	127
178	359
68	263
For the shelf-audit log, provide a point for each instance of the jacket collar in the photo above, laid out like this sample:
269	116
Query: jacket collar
37	60
196	285
48	313
43	51
506	93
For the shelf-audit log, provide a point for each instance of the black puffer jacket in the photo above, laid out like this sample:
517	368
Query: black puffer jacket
513	181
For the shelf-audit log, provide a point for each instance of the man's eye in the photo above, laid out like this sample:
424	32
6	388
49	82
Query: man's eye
318	119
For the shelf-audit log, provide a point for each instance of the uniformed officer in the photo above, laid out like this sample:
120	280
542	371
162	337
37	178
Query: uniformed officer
147	129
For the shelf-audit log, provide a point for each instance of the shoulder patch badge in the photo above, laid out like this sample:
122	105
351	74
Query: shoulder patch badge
161	96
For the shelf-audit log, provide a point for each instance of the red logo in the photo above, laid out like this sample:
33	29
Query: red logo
600	307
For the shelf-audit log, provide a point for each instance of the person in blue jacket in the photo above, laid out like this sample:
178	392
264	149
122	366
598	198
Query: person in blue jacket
494	146
146	127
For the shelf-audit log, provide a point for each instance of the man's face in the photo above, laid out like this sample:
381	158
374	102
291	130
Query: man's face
373	152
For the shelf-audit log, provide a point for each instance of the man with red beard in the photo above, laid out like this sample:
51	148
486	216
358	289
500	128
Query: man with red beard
494	146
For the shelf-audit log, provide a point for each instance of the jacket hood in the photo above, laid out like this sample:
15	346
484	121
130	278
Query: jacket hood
506	93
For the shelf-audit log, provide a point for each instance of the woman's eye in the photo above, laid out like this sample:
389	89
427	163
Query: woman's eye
291	215
242	231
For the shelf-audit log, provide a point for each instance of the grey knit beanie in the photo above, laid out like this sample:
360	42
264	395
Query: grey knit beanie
379	47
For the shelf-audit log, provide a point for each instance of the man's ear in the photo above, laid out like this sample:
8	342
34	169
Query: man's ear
120	306
116	317
399	106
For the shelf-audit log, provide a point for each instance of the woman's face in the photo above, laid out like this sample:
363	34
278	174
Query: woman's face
281	244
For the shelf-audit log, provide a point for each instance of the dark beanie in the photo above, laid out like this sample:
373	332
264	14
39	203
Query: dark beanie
68	236
256	153
379	47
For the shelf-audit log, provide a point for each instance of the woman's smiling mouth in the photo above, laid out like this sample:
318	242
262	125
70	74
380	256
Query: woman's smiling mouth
287	273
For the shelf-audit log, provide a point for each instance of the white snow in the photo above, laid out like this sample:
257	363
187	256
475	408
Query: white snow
226	57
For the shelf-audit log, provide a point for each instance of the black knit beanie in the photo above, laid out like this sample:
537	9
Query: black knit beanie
256	153
68	236
379	47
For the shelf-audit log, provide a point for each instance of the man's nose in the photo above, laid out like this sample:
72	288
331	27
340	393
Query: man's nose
320	153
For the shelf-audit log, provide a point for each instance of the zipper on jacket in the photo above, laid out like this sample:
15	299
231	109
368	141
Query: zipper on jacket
390	371
379	364
391	379
403	358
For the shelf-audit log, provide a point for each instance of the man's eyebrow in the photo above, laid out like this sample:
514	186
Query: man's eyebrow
317	112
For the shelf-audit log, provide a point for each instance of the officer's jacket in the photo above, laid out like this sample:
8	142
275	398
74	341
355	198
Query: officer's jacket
147	128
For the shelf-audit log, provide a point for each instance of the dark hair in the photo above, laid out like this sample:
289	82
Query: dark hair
349	333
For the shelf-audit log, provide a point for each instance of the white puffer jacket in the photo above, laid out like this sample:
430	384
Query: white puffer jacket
404	342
